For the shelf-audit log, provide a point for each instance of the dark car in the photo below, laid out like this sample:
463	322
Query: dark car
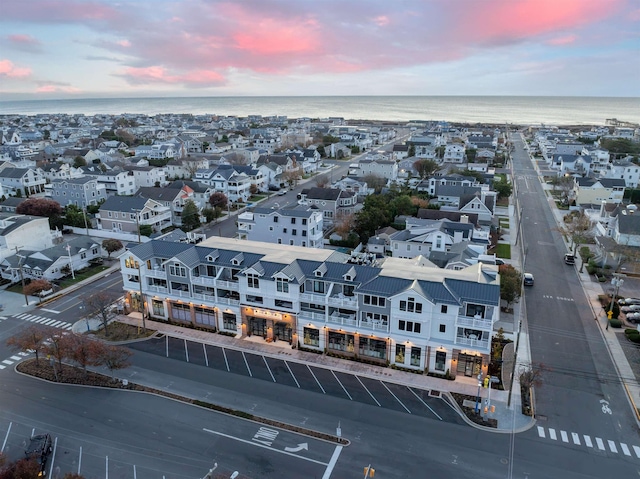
569	259
528	279
39	449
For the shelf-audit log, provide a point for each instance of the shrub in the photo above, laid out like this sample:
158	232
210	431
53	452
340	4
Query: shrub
615	310
615	323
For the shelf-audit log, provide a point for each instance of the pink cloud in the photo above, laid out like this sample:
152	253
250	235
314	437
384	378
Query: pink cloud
566	40
9	70
124	43
55	88
159	75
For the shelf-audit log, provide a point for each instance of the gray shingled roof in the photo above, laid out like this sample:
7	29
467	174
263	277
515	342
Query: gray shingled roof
128	204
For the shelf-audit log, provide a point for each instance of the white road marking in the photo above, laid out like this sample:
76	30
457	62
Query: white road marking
564	436
636	449
552	434
625	449
541	431
612	446
271	374
7	437
587	441
314	377
246	364
332	462
206	359
290	372
343	388
2	367
365	388
266	447
397	399
425	404
576	438
50	311
600	444
15	358
79	460
7	362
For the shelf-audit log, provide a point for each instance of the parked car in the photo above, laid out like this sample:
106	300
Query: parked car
282	192
39	448
628	301
631	309
528	279
633	318
569	259
274	188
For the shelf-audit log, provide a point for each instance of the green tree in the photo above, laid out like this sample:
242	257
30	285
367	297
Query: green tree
374	181
425	168
79	161
369	220
412	150
111	245
328	139
402	205
218	200
146	230
190	216
510	284
503	188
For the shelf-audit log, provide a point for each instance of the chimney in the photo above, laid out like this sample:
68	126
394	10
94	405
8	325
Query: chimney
464	219
602	205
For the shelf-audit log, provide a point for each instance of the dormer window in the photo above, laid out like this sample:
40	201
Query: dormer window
319	273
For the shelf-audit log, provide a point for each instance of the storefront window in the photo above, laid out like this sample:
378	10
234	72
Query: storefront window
373	348
205	316
228	321
441	357
399	353
415	356
180	312
157	307
341	342
311	337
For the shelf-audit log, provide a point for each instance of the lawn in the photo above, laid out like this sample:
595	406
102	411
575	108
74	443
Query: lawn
503	250
82	274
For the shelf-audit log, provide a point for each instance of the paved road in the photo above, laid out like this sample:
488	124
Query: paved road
581	394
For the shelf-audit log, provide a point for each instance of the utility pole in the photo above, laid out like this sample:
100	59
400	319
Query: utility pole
73	275
84	213
26	298
144	324
138	224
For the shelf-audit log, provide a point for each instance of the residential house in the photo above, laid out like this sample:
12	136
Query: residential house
51	263
454	153
225	179
126	214
23	232
115	181
403	312
81	192
298	226
589	191
27	181
148	176
624	170
333	202
380	166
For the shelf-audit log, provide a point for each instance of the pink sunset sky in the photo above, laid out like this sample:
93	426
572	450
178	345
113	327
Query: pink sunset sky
133	48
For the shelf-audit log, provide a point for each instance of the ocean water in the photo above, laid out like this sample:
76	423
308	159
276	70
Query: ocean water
469	109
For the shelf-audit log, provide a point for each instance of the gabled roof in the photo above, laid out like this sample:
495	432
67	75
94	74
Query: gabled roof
158	194
129	204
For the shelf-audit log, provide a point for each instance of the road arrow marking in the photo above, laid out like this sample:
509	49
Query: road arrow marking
300	447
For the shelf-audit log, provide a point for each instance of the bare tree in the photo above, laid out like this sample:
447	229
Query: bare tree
113	357
100	304
577	226
58	347
531	374
84	350
35	287
31	339
291	177
345	225
322	181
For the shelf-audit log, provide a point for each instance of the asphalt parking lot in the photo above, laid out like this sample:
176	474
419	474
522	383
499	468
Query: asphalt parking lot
320	380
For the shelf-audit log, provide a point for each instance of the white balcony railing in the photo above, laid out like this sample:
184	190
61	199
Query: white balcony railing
343	301
343	319
309	316
375	325
156	289
233	302
474	343
181	294
230	285
204	297
203	280
156	273
313	298
476	323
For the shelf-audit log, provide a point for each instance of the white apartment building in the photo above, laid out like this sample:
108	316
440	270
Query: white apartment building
397	311
299	226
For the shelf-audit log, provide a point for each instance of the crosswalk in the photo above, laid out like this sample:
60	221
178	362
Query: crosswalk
10	360
54	323
585	440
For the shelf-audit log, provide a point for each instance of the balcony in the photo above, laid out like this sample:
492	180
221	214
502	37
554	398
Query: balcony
375	325
157	289
230	285
341	300
476	323
313	298
181	294
203	280
156	273
232	302
473	343
343	319
309	316
204	297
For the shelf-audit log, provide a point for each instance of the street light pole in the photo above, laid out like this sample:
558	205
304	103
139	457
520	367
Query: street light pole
616	282
73	275
478	395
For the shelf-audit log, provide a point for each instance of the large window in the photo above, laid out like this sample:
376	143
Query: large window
374	348
228	320
205	316
475	310
157	307
409	326
282	285
374	300
341	342
415	356
400	352
318	286
180	312
311	337
177	270
253	281
411	306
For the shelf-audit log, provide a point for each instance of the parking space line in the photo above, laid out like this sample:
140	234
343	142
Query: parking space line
426	405
365	388
226	362
6	437
314	377
135	476
166	345
80	460
206	359
106	465
332	462
292	375
186	354
390	392
269	369
53	456
247	364
343	388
